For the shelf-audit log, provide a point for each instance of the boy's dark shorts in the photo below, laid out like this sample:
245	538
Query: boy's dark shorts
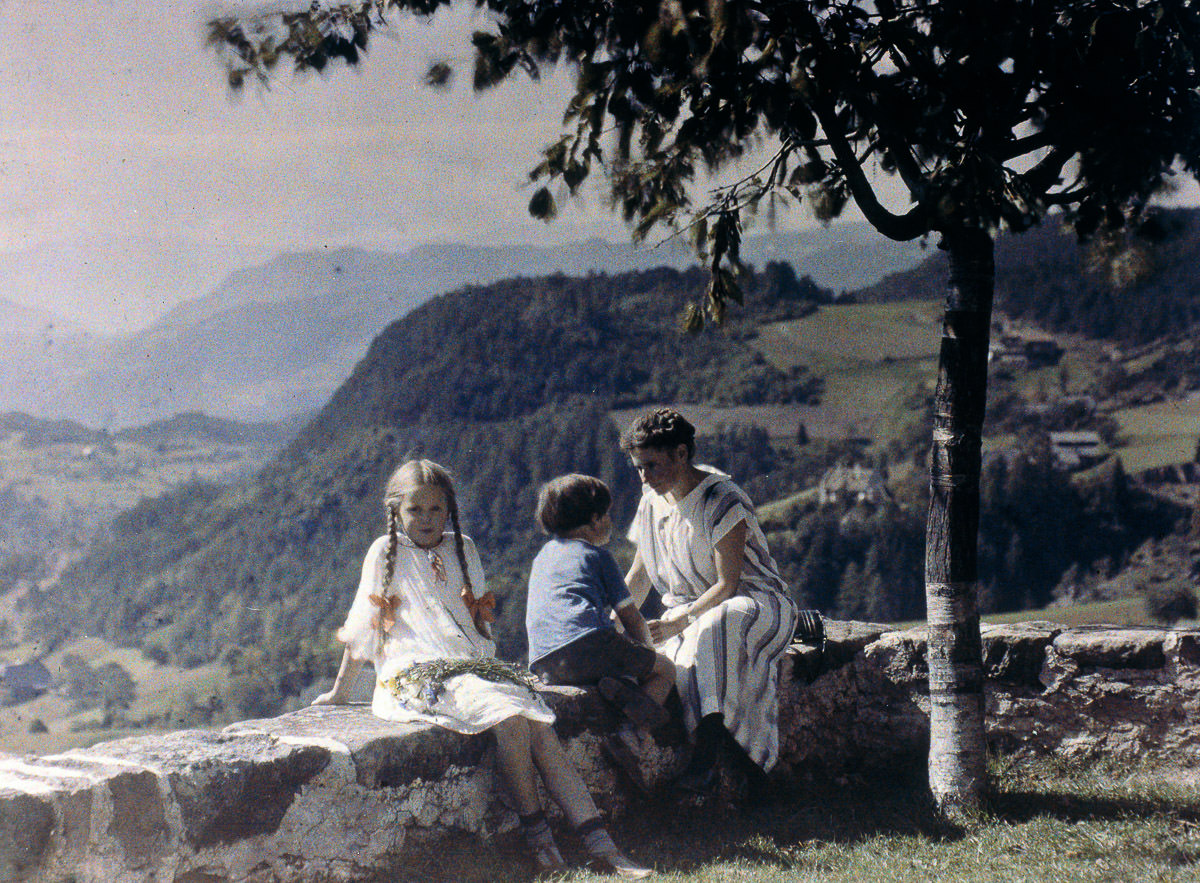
598	654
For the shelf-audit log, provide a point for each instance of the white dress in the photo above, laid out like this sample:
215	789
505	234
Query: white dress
431	623
727	661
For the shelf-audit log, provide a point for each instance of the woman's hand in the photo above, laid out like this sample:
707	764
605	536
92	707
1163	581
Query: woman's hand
672	622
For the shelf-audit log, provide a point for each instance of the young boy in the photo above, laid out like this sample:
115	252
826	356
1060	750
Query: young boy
572	586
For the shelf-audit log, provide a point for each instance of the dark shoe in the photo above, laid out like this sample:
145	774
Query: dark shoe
540	841
634	704
810	628
616	862
548	859
621	756
701	781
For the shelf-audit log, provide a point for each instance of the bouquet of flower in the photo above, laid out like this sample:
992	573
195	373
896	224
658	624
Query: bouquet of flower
422	683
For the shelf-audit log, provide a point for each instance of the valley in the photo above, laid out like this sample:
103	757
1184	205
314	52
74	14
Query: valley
212	560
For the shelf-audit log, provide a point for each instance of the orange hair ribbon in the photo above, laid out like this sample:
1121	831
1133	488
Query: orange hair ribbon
480	608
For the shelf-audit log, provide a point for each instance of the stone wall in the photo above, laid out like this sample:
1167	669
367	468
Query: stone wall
334	794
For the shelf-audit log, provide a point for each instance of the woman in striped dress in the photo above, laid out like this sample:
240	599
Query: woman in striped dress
729	616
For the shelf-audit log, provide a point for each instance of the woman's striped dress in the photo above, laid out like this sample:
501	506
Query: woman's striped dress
727	661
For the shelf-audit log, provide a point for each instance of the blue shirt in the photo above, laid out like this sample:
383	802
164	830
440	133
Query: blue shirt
572	585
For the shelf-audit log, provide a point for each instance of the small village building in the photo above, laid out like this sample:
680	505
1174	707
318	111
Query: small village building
1076	450
1017	353
25	680
1043	353
853	484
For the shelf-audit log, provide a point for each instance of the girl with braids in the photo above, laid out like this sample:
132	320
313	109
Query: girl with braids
421	616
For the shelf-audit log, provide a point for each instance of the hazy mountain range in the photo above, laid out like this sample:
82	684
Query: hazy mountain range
275	340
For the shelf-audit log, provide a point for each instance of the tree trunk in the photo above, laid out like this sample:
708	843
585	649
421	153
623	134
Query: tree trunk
957	755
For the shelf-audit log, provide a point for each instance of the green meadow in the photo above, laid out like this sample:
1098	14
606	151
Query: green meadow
1158	434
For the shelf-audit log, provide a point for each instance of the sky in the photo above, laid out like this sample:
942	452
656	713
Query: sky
131	179
127	165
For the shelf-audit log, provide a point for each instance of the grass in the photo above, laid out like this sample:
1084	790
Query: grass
1046	821
871	356
108	482
1159	434
839	337
1121	612
159	689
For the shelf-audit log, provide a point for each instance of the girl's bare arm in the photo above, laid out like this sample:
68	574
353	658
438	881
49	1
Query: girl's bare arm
346	676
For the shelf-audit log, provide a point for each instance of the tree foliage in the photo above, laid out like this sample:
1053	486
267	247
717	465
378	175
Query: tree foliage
1045	277
987	113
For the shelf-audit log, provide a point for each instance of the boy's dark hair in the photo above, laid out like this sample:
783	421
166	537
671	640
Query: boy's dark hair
571	501
663	429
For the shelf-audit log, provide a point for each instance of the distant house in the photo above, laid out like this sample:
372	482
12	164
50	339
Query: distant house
25	680
1076	450
1012	352
853	484
1082	404
1043	353
1007	352
1175	473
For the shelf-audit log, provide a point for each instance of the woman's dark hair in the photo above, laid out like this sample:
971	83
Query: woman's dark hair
663	429
571	501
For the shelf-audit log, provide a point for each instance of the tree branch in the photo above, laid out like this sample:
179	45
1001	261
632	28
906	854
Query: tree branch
1022	146
899	227
1045	174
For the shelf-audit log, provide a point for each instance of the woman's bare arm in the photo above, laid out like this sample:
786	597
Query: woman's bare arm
638	580
728	556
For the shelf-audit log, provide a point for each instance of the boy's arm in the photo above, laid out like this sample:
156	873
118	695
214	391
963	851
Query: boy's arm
635	624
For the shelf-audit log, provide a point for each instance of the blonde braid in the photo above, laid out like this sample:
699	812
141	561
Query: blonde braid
393	541
458	541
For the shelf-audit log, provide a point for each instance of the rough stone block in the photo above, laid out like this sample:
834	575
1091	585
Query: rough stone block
900	656
386	754
1017	652
1109	647
1183	647
227	786
845	640
26	823
139	821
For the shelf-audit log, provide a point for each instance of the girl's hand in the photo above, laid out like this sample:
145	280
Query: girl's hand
330	697
482	625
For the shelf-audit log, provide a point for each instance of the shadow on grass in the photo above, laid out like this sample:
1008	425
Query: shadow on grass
683	834
1023	805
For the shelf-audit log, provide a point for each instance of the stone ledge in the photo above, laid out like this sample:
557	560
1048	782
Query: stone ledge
334	794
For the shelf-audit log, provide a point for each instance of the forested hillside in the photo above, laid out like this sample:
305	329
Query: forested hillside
507	385
1135	290
513	383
